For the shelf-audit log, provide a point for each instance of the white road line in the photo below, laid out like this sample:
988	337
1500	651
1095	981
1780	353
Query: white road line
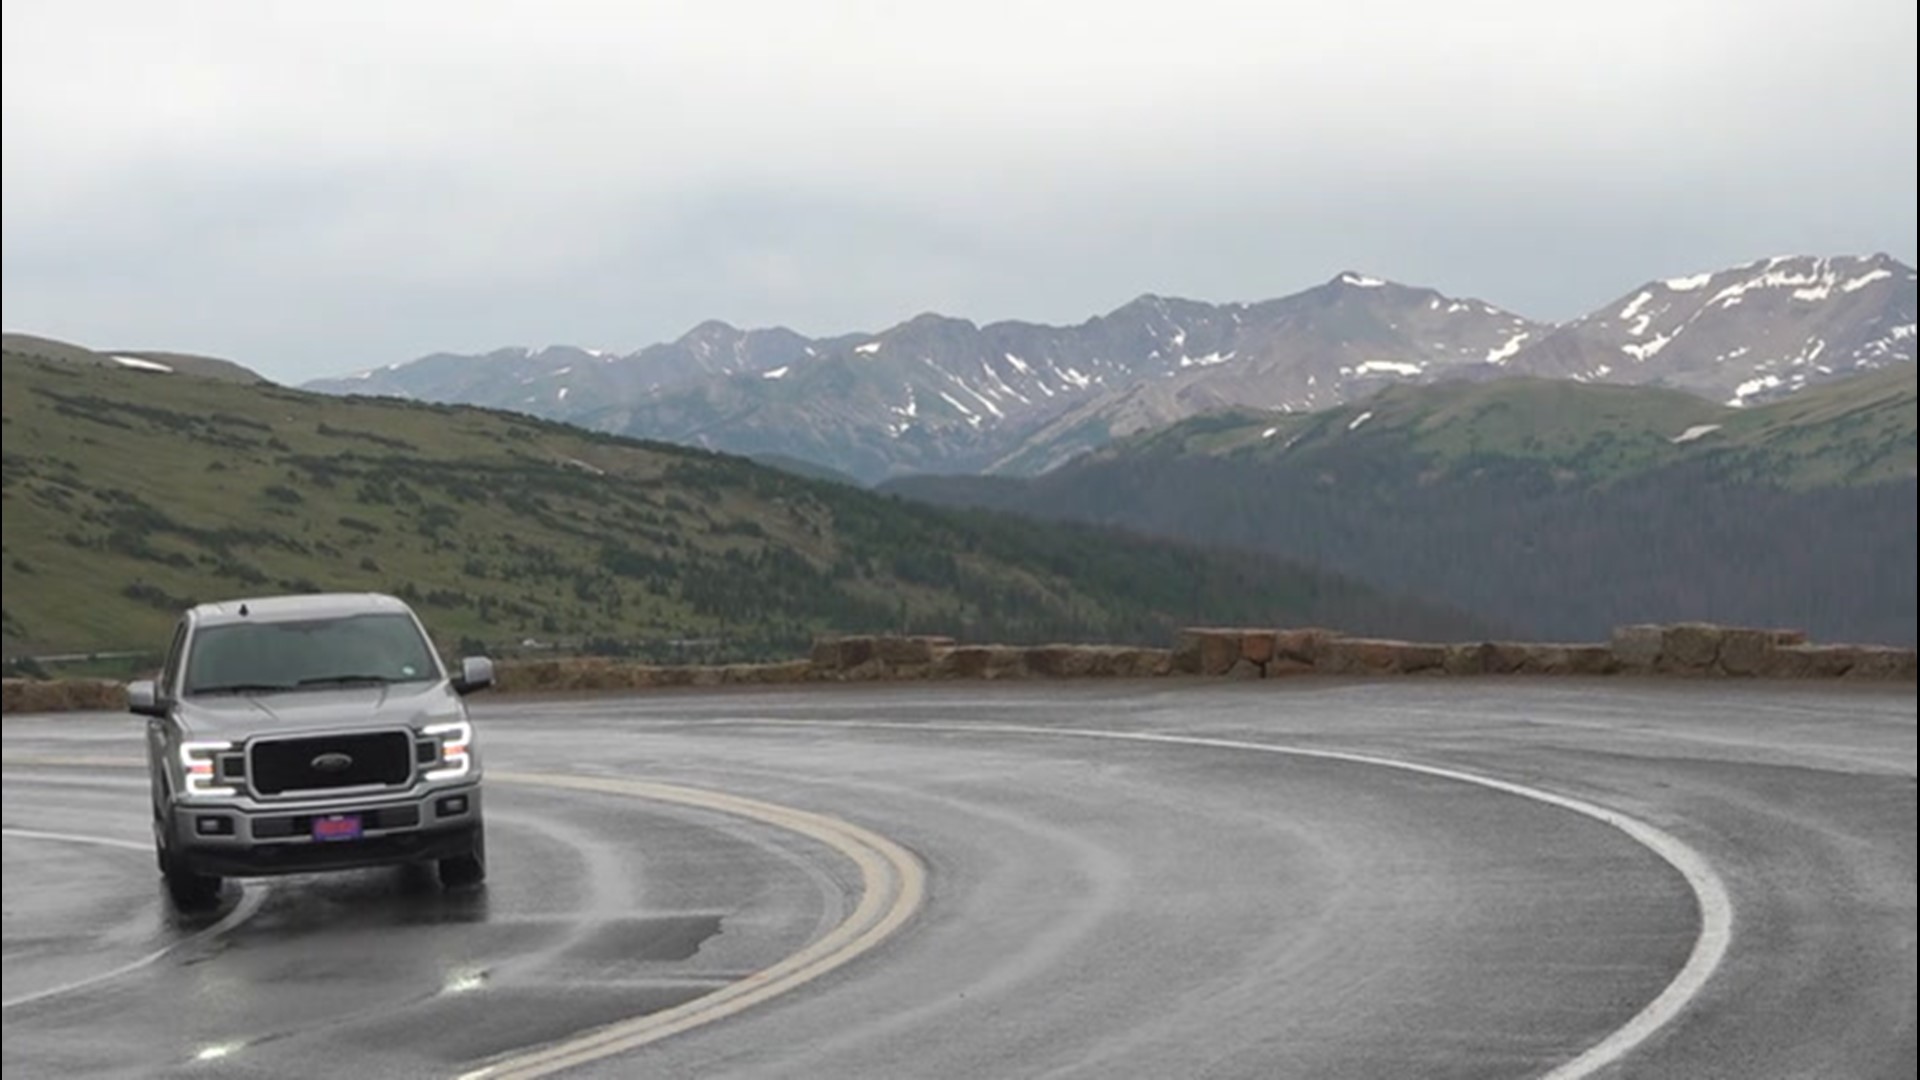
78	838
1709	892
243	909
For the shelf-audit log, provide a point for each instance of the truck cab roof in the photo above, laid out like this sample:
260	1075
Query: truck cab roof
305	606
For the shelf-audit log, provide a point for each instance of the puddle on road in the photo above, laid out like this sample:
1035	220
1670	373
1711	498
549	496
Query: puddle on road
617	944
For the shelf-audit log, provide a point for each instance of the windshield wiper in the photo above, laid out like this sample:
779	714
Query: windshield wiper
242	688
346	680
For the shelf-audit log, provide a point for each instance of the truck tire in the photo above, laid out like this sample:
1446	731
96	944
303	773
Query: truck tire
466	871
189	891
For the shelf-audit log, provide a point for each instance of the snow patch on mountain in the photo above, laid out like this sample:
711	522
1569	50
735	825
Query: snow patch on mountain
1384	367
985	402
1502	353
138	364
1697	431
1810	285
1646	351
966	414
1209	360
1746	390
1633	309
1866	279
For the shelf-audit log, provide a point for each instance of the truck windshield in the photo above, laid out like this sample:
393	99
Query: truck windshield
263	656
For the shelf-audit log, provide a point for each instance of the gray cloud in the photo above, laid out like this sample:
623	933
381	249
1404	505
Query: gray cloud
316	187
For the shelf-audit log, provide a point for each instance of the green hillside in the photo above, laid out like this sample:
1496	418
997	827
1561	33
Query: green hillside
207	367
130	493
1853	431
1554	509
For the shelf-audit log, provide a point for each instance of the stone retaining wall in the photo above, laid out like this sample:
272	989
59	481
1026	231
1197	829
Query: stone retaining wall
61	695
1691	650
1699	650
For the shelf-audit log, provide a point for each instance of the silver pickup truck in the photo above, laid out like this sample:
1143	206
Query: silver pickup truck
301	733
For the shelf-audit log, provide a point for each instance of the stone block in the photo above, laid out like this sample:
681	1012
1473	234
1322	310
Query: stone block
1360	656
1808	661
1302	643
908	650
841	653
1466	658
1590	659
1258	645
1637	648
1690	648
1881	662
1743	651
1419	656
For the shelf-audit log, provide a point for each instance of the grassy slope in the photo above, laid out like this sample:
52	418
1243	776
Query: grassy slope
1551	508
1854	431
29	345
127	494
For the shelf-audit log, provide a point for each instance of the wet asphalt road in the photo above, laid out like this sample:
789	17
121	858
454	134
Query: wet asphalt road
1094	907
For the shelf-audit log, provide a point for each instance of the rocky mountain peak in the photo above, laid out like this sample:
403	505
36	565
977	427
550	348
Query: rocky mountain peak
1353	279
1744	334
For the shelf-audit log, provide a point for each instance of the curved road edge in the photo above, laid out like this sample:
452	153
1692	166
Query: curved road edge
1714	904
894	887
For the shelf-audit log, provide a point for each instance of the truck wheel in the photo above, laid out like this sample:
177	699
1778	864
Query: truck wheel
188	891
470	869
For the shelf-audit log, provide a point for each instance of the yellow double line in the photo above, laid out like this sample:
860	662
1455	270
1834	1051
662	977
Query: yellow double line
893	886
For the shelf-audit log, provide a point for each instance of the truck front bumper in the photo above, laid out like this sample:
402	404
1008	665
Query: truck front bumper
256	840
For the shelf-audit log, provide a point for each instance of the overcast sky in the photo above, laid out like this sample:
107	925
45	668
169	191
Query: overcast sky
315	187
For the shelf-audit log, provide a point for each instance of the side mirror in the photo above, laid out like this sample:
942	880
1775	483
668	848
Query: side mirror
476	673
143	698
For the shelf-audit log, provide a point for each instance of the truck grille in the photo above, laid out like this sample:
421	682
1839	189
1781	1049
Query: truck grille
324	762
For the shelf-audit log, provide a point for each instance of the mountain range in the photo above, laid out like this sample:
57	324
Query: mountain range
940	394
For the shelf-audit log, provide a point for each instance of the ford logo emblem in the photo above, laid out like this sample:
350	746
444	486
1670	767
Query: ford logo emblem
332	762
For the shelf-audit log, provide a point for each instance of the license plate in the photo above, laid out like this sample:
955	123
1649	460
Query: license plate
337	827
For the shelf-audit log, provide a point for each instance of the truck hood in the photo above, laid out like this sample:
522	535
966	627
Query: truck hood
239	716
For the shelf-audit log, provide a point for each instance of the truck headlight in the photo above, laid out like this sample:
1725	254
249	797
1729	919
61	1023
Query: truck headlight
199	769
455	742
